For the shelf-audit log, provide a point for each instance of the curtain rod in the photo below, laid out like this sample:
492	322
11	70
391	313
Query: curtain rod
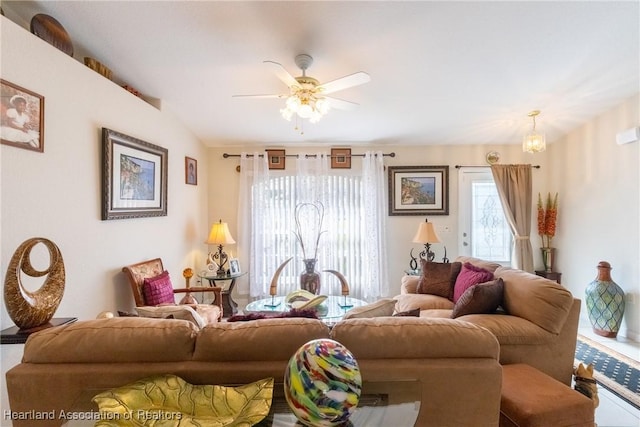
227	155
486	166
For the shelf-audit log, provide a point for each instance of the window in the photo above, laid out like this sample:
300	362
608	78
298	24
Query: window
484	231
352	241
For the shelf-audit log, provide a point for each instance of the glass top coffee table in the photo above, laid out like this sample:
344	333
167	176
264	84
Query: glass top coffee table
331	310
382	404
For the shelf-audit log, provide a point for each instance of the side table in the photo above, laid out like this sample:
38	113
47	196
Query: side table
229	306
551	275
15	335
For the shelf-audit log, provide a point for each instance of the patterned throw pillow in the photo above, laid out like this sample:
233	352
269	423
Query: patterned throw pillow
438	278
469	276
158	290
483	298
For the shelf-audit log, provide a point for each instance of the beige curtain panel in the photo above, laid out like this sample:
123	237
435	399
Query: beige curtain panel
514	187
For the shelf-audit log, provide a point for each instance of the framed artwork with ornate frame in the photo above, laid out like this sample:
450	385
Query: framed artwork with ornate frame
22	123
190	171
134	177
276	159
341	158
419	190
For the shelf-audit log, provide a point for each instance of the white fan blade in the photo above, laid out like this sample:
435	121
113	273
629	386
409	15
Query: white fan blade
345	82
282	74
340	104
259	96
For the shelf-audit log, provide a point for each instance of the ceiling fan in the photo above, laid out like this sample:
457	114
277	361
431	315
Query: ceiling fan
307	97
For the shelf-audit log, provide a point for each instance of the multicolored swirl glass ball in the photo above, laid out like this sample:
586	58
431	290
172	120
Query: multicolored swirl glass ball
322	383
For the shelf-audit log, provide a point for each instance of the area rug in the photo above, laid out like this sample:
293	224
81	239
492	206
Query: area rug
614	371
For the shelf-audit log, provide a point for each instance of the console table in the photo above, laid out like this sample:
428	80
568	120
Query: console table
329	311
229	306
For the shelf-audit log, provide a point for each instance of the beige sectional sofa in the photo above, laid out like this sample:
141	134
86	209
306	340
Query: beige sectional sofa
455	362
538	323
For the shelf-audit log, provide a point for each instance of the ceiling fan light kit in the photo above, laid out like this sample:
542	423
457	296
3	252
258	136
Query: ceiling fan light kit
307	96
533	141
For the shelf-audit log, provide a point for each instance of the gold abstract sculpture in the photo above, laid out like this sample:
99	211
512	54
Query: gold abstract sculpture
172	401
29	309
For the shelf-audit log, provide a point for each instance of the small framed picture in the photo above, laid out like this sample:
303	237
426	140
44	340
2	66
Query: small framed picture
234	266
190	171
276	159
341	158
22	117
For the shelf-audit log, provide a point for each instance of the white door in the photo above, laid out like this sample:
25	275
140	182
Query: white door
484	232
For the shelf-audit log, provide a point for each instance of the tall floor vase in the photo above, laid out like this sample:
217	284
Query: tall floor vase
605	303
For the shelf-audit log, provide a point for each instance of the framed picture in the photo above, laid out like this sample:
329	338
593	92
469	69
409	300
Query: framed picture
190	171
234	266
419	190
134	177
276	159
341	158
22	121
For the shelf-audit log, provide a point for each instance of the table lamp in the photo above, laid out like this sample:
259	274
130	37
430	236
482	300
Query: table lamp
220	235
426	234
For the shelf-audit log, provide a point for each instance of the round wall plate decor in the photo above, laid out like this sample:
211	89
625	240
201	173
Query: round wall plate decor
493	157
51	31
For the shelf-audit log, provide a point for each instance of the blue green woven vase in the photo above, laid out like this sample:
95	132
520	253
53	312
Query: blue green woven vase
605	303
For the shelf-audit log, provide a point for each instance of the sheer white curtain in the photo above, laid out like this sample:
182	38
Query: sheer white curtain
353	238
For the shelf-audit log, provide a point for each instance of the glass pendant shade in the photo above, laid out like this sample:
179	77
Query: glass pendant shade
533	141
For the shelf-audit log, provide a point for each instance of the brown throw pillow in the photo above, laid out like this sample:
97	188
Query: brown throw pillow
483	298
438	278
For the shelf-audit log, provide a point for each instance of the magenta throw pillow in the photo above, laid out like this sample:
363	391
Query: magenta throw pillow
158	290
469	276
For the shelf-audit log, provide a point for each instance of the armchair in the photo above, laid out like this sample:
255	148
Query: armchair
137	273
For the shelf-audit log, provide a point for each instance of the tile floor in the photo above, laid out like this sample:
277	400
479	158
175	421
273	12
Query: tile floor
613	411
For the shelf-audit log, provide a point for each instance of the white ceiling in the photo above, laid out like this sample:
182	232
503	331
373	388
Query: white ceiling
441	72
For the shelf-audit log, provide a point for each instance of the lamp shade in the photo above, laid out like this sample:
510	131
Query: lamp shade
220	235
426	234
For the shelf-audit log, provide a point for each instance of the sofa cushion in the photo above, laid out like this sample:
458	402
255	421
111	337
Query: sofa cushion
438	278
481	298
382	307
158	289
539	300
487	265
414	338
469	276
114	340
247	341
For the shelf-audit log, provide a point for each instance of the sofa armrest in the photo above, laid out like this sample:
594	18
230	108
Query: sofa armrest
409	284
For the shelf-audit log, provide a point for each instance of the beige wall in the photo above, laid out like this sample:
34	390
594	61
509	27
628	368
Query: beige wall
57	194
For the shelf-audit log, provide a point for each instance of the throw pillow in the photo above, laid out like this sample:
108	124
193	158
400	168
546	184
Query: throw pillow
482	298
469	276
383	307
158	290
438	278
409	313
308	313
